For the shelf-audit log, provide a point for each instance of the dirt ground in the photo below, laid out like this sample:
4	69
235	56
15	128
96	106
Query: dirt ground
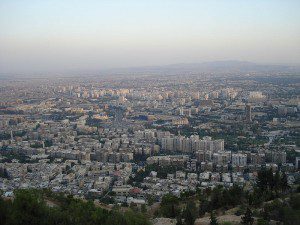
163	221
232	218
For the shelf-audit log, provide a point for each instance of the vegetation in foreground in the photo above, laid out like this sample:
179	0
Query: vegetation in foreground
271	199
30	207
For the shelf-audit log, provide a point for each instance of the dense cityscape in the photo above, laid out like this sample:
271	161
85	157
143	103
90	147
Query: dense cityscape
133	140
156	112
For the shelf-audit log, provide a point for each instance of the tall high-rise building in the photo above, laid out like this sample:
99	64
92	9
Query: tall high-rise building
239	159
297	165
248	113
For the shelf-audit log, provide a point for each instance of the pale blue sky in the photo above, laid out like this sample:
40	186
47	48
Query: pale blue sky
68	35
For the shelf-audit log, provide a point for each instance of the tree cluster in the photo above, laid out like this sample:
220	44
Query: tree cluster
30	208
285	210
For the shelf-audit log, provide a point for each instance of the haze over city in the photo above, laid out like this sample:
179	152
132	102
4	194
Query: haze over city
53	36
147	112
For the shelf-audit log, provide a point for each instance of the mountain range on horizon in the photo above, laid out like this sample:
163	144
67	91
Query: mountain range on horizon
222	66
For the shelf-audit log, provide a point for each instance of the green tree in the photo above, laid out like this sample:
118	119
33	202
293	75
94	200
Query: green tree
262	180
227	223
261	221
170	206
4	206
143	208
179	220
284	182
190	213
217	197
290	216
29	207
248	219
277	181
150	200
270	179
203	207
133	206
213	218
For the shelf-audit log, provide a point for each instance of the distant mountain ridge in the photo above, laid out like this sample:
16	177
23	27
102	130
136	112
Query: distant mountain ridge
229	66
218	67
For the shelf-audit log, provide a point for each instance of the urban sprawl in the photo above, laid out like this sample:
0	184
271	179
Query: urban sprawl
143	137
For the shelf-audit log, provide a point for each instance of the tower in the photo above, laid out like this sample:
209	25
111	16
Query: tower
248	113
11	135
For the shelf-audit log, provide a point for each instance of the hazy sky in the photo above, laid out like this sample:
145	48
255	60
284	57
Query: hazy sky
49	36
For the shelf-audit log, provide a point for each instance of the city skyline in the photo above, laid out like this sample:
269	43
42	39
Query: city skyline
143	112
